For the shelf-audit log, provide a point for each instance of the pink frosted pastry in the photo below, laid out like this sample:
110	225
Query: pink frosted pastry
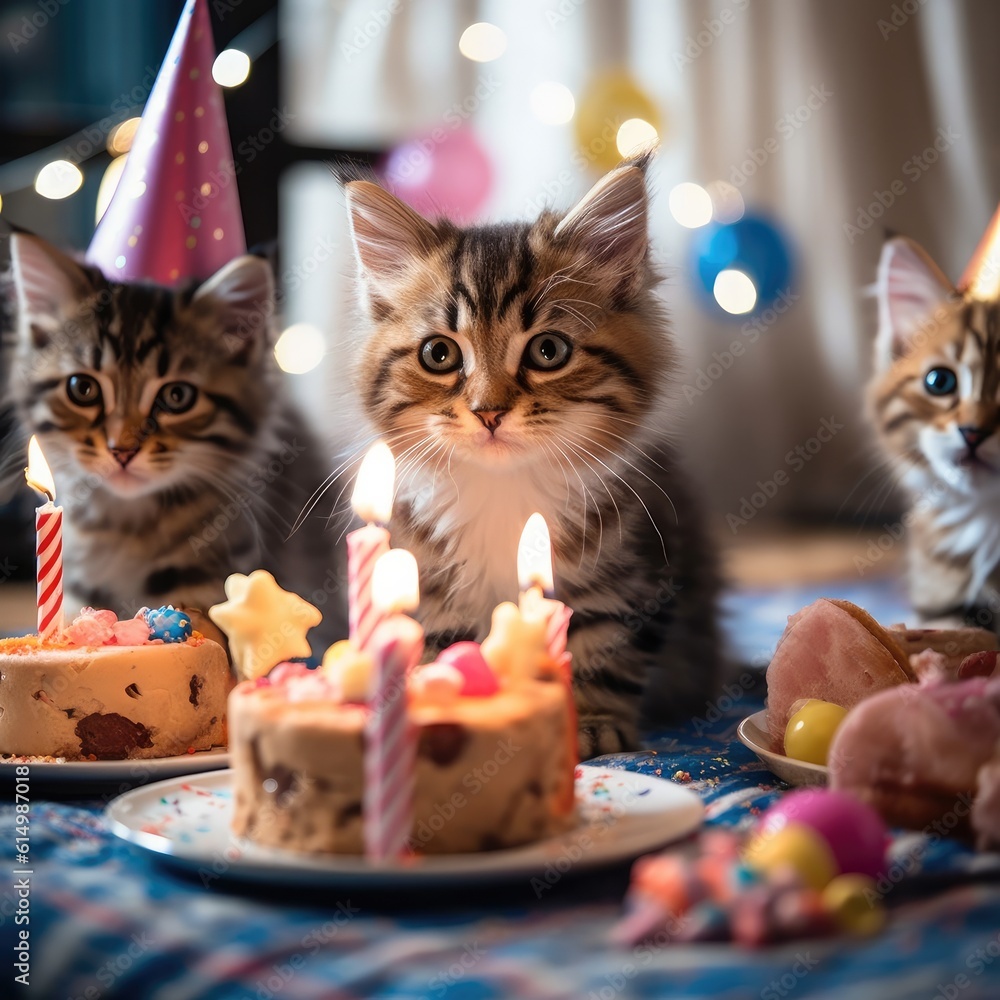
915	752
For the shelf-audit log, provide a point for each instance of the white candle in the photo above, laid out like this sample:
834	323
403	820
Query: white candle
372	502
535	578
48	543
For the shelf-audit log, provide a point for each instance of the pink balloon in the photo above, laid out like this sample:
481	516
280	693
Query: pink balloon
853	830
446	173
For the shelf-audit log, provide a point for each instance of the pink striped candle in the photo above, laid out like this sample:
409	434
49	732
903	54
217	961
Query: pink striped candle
372	502
390	740
48	544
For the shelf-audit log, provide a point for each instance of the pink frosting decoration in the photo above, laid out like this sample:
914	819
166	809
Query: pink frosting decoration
131	632
467	659
176	213
286	671
91	628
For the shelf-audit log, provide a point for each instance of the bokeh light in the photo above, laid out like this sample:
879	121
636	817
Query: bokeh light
299	349
727	202
231	68
121	136
735	292
552	103
690	205
109	184
634	136
482	42
58	179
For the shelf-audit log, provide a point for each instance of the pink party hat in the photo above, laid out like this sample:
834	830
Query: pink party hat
176	212
981	279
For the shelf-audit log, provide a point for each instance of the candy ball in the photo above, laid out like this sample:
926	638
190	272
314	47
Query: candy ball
351	669
853	904
792	848
852	829
168	624
810	730
467	658
439	683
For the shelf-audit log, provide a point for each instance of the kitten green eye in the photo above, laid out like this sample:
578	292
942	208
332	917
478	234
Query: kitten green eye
546	352
440	355
940	381
177	397
84	390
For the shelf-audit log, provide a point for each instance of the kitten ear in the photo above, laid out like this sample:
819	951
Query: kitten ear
909	286
48	284
387	234
241	296
609	227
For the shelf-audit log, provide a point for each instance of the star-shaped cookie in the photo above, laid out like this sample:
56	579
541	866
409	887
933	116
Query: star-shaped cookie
265	624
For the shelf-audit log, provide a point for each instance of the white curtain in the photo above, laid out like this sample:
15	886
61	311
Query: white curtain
847	104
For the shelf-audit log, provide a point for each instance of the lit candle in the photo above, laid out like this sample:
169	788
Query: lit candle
534	575
48	543
390	740
372	502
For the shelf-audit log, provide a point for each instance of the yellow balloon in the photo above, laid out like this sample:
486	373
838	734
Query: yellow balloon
796	847
611	101
852	902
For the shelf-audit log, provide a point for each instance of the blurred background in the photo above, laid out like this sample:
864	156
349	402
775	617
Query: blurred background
791	136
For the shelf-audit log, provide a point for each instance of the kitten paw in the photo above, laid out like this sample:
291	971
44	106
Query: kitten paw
602	734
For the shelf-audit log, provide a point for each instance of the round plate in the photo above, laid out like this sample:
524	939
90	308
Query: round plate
123	772
186	822
753	733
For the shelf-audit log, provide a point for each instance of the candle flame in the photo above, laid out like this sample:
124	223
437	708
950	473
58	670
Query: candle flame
37	473
981	279
373	487
395	582
534	555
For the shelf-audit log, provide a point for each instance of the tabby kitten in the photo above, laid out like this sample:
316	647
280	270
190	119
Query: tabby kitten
526	367
935	398
176	455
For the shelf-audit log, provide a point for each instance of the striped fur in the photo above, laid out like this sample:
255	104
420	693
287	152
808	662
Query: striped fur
954	519
209	491
588	445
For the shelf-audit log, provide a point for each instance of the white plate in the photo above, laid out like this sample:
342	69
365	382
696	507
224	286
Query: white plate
186	822
753	733
125	772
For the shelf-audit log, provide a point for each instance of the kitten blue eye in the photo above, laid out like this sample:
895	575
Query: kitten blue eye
546	352
84	390
940	381
177	397
440	355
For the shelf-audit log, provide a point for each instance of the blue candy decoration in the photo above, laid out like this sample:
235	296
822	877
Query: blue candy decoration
753	245
167	623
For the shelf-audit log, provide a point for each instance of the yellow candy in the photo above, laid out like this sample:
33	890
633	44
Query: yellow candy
796	847
353	670
852	902
810	730
515	647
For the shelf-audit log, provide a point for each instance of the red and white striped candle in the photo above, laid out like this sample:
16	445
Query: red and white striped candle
390	738
48	544
372	502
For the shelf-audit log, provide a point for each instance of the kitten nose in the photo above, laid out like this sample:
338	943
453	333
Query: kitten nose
123	455
973	436
490	419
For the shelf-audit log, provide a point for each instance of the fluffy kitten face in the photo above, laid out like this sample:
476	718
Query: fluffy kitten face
133	389
937	390
509	344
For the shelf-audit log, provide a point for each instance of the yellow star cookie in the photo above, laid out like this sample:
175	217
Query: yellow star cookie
265	624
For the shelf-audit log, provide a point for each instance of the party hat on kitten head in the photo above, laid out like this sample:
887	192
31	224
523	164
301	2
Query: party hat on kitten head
981	279
176	212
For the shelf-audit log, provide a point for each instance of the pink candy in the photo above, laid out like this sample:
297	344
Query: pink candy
102	628
466	658
131	632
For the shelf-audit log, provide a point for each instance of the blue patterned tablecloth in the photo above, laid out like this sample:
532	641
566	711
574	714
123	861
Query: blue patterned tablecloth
106	921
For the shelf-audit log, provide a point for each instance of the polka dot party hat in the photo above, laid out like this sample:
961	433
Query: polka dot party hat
982	277
176	212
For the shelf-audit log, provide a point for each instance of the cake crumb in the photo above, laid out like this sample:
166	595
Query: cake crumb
682	776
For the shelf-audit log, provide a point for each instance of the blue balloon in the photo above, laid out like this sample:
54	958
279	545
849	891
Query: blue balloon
753	245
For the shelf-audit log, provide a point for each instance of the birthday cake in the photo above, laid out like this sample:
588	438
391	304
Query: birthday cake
492	771
104	689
